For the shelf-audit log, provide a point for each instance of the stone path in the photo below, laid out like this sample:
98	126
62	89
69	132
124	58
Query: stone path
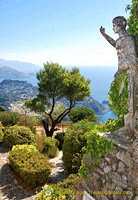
10	189
58	173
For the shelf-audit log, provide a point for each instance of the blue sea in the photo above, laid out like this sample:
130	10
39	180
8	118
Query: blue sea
109	115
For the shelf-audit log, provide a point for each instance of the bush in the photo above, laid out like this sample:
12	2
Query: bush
46	146
9	118
29	164
74	141
50	147
31	123
110	126
18	135
96	147
62	190
1	133
118	95
77	114
60	137
2	108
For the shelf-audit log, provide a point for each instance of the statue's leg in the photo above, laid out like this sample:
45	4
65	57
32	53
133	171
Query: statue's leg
130	118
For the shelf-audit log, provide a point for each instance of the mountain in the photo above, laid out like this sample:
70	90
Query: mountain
90	103
15	90
10	73
22	66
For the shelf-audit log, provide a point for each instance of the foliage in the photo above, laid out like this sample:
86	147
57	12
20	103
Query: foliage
118	95
9	118
60	137
96	147
31	166
50	147
31	122
132	21
110	126
55	82
1	133
74	140
62	190
46	146
18	135
2	108
81	113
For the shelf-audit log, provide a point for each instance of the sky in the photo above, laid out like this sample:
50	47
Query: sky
61	31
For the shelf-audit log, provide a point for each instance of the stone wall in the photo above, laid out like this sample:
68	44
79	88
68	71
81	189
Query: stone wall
115	178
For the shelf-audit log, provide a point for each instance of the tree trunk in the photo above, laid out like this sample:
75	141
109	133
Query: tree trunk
49	133
46	128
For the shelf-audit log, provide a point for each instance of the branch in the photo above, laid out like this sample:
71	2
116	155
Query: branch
63	114
53	105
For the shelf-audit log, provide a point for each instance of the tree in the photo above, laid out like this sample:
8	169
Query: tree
77	114
132	21
56	83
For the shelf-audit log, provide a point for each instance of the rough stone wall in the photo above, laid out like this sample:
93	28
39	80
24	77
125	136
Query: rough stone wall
115	178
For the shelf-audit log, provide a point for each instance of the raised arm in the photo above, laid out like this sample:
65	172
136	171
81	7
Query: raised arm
108	38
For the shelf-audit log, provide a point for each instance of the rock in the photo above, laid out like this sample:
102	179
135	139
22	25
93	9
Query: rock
117	179
120	166
107	169
125	158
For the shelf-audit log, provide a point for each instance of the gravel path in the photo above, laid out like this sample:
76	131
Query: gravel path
11	189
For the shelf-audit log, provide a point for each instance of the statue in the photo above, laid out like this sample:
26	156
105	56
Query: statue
127	60
125	44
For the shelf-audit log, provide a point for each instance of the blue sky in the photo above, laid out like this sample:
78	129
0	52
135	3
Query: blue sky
63	31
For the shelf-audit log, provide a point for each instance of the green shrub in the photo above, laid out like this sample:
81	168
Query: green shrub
74	141
31	123
81	113
118	95
96	147
61	191
50	147
46	146
2	108
18	135
29	164
110	126
60	137
1	133
9	118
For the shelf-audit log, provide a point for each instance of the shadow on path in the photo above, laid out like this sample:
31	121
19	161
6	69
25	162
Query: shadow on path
3	148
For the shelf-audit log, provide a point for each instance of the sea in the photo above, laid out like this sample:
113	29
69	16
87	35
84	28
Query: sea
108	115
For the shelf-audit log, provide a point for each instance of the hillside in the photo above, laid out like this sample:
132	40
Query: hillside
17	65
10	73
15	90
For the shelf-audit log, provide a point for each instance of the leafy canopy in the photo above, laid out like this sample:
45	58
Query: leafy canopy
77	114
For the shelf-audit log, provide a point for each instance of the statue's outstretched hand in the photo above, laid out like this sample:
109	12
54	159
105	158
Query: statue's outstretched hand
102	30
